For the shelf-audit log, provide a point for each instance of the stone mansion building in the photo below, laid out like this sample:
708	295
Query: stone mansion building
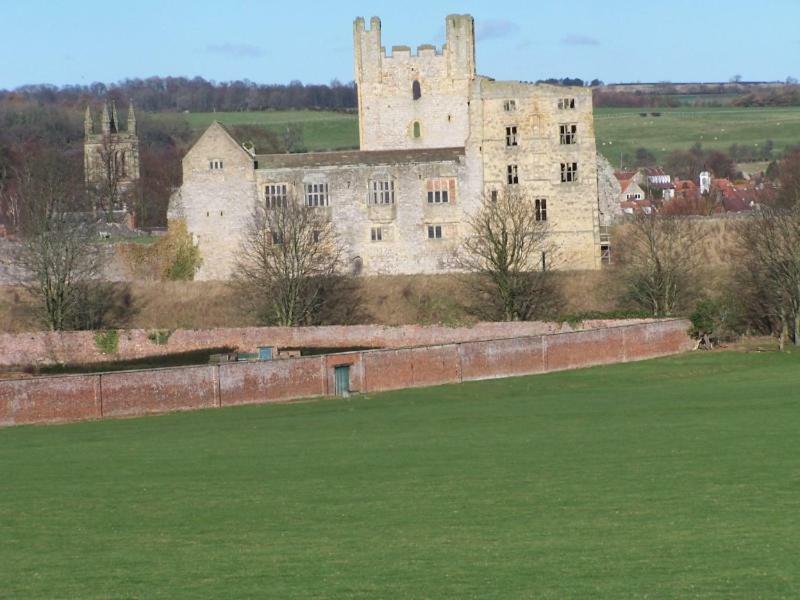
436	140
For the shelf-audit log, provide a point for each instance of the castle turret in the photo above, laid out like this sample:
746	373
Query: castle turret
460	46
88	125
131	119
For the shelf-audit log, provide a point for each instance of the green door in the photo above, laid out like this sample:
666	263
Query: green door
341	380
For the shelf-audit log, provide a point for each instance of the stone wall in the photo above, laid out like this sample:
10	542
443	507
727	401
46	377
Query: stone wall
80	347
124	394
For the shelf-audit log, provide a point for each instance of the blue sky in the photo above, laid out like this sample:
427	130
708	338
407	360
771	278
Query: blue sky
81	41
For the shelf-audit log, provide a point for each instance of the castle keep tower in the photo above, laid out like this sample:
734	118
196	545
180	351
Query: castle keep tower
414	100
111	159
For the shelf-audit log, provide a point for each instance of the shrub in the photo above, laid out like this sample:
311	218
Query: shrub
159	336
107	341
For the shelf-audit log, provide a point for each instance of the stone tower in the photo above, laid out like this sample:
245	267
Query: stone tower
111	159
414	100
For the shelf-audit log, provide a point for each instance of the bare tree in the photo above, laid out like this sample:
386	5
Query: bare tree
509	255
289	263
658	261
769	273
57	258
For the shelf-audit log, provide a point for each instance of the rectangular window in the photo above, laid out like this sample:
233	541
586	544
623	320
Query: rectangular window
277	237
381	192
434	232
569	172
513	174
376	234
568	133
438	191
540	204
566	103
215	164
510	105
511	135
494	195
275	195
316	194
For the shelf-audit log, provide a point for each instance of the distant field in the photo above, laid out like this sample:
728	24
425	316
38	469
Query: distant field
322	130
617	129
675	478
622	130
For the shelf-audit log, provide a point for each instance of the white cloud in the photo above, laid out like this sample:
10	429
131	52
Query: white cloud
236	50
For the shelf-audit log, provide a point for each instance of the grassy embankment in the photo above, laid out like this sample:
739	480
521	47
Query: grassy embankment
671	478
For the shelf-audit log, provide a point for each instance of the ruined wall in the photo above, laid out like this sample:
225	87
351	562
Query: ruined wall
404	246
536	113
80	347
133	393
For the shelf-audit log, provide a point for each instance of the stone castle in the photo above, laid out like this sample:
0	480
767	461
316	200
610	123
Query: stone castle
436	140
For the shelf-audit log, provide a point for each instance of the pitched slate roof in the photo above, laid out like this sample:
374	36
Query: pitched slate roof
358	157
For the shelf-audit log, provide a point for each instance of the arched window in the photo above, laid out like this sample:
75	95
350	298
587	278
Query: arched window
416	130
416	91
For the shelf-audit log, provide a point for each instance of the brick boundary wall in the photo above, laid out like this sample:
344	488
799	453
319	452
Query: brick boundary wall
135	393
79	347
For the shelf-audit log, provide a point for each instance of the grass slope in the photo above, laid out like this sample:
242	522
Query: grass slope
669	478
617	129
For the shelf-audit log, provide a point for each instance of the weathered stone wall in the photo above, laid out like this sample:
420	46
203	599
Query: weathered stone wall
534	110
80	347
387	107
216	204
122	394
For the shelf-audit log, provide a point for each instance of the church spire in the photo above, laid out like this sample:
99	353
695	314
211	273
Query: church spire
114	118
105	119
88	126
131	119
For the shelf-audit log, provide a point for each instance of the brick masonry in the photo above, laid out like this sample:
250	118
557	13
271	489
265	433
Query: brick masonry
133	393
79	347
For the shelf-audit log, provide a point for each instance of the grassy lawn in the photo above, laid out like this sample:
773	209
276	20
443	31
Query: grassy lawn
623	130
670	478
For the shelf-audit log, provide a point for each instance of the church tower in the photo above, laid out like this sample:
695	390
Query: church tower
111	160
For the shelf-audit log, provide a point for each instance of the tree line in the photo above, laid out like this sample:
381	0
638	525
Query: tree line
178	94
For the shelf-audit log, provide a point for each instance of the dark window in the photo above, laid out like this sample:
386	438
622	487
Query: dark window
568	133
511	135
513	174
494	195
434	232
376	234
540	204
275	195
569	172
417	129
382	192
416	91
317	194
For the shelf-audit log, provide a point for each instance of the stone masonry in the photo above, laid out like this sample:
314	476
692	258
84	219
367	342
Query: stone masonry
436	140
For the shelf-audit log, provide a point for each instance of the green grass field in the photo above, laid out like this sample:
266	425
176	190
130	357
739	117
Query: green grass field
322	130
672	478
618	130
622	130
